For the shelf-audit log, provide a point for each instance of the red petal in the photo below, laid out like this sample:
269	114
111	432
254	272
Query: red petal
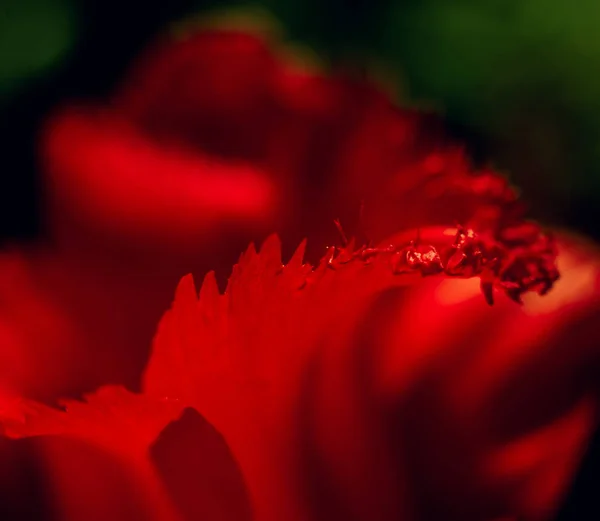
212	89
198	471
86	482
108	179
122	456
329	141
483	395
22	495
112	417
237	357
96	453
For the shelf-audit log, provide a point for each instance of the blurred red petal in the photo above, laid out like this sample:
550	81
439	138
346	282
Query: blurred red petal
23	494
211	89
103	172
87	482
35	355
124	456
199	472
332	140
95	453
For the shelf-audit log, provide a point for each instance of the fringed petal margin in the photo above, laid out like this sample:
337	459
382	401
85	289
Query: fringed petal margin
238	357
173	464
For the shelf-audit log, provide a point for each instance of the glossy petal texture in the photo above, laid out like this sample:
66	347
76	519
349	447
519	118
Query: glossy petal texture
124	456
276	349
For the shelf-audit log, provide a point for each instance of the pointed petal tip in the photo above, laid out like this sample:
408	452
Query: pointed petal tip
209	288
186	290
270	251
297	258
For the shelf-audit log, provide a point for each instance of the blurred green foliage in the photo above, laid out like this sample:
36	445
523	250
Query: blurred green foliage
524	74
34	36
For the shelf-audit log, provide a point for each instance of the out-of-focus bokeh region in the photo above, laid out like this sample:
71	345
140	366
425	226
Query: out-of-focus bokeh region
517	80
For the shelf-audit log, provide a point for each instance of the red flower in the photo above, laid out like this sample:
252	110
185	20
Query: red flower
363	389
213	139
349	393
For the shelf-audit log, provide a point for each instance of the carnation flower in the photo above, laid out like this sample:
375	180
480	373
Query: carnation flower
214	138
369	385
345	391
